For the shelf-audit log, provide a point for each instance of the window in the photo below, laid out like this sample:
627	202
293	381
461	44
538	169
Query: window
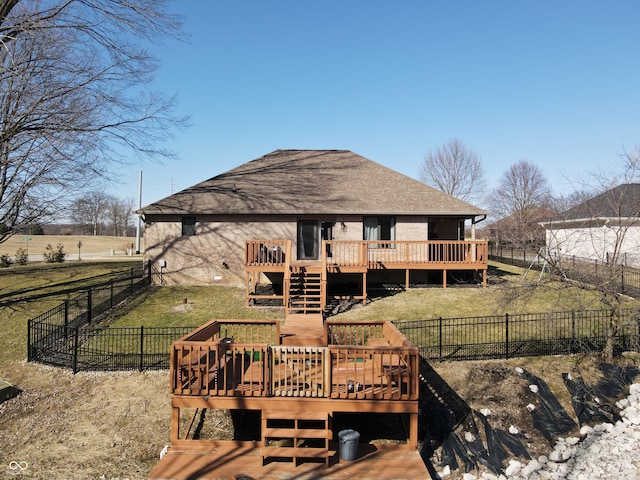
188	226
379	228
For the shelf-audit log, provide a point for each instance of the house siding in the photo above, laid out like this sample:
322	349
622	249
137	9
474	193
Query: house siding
595	243
215	254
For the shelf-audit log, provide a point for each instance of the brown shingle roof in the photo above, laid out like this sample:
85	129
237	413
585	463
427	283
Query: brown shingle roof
311	182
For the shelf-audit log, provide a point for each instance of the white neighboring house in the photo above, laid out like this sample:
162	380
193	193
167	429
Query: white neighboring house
605	228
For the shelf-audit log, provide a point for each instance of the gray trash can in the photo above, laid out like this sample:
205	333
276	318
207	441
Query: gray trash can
348	440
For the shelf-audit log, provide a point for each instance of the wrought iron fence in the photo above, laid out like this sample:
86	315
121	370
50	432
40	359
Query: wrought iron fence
506	336
94	348
63	335
619	278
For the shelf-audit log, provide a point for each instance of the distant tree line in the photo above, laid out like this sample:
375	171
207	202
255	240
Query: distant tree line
98	213
95	213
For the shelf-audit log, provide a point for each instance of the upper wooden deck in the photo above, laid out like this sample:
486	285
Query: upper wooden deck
349	257
362	255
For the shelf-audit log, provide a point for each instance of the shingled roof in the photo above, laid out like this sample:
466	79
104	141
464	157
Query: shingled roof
311	182
622	201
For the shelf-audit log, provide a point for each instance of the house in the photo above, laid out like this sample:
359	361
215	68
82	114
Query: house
332	214
312	224
604	228
519	230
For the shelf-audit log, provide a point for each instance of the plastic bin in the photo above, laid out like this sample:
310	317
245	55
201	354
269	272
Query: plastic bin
348	440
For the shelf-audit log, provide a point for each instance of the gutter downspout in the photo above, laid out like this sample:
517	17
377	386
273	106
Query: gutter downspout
473	225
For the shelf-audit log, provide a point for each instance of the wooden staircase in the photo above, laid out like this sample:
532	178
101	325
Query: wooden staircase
297	435
305	294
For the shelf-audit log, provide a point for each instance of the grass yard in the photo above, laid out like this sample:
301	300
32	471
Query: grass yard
91	244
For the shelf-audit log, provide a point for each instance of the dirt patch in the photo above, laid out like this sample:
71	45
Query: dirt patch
114	425
85	426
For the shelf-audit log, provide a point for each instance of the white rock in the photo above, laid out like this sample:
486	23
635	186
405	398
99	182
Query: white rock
587	430
532	466
572	441
486	412
469	476
469	437
513	468
446	471
533	388
519	370
513	430
531	407
622	403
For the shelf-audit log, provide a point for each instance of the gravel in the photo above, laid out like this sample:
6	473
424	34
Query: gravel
603	451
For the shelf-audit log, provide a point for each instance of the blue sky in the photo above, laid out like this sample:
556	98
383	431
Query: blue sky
554	82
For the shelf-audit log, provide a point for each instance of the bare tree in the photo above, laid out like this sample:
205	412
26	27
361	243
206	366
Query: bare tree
593	242
119	211
91	210
74	98
455	170
521	199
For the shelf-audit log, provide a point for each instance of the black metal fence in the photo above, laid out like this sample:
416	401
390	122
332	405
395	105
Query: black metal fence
506	336
619	278
94	348
66	335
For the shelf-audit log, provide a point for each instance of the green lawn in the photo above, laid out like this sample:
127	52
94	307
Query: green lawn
17	308
508	292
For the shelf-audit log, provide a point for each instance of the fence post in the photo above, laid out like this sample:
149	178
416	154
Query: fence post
131	280
66	312
141	347
75	351
29	340
440	338
506	339
573	327
89	306
622	278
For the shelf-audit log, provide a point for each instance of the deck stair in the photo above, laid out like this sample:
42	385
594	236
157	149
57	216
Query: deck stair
305	291
303	331
297	435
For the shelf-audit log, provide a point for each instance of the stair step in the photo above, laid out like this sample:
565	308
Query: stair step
295	415
297	433
306	452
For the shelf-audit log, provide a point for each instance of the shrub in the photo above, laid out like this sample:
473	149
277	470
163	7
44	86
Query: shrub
22	257
54	256
5	261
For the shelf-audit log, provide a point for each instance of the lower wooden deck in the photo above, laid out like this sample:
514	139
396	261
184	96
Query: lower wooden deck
374	462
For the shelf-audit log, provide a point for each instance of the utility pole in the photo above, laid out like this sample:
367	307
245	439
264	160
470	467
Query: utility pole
139	214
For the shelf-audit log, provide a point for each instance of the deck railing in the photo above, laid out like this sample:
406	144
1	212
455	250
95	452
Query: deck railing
373	254
274	253
362	361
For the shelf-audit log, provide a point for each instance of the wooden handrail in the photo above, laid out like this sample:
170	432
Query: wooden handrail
368	360
365	253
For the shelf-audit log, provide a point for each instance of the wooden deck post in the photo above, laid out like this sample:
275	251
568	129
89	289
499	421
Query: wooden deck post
175	424
364	288
413	431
